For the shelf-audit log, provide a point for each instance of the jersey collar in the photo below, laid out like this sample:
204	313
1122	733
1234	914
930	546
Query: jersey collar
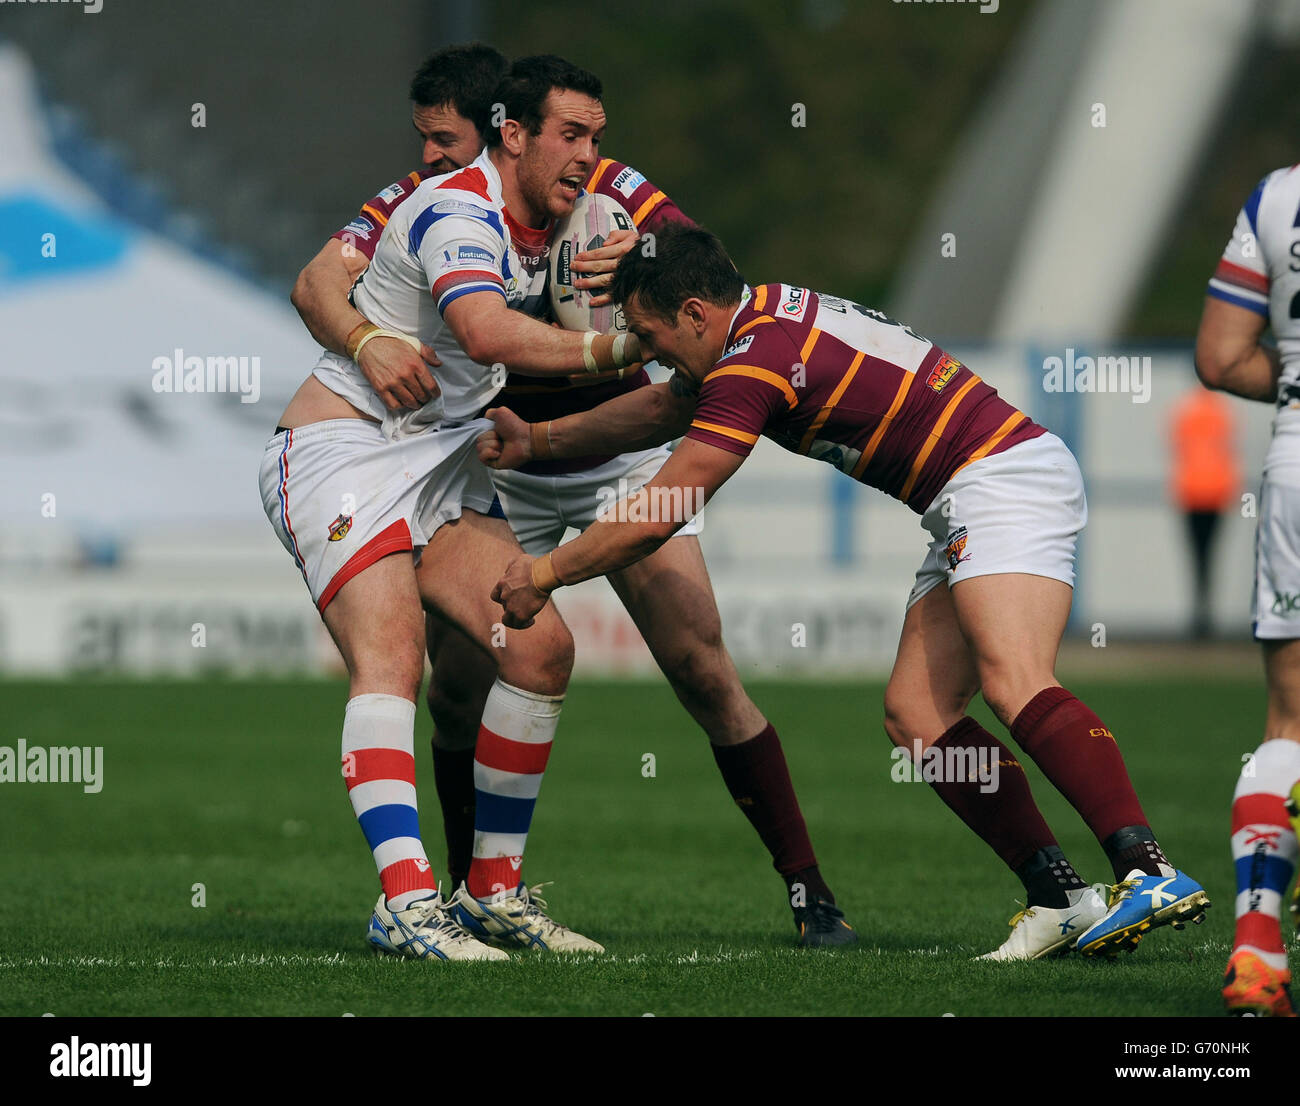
745	297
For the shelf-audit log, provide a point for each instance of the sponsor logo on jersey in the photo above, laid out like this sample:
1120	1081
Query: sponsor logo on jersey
739	347
339	527
1100	731
361	225
515	861
795	304
944	370
392	194
956	551
628	181
474	255
459	207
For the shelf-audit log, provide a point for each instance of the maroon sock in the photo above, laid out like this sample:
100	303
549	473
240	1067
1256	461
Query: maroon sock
453	774
1078	753
1006	818
755	773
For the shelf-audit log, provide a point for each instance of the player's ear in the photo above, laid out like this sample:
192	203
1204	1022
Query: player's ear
696	317
512	137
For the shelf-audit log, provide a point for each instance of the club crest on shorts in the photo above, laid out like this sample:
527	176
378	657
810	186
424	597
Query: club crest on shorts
339	527
956	551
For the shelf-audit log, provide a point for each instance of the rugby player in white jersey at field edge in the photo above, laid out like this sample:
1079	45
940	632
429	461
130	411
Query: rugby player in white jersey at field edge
385	511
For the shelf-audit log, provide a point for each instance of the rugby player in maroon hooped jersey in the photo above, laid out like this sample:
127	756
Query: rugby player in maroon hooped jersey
1001	498
668	595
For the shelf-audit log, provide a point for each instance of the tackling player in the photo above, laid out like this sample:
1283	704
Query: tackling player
1257	282
669	595
1001	498
383	511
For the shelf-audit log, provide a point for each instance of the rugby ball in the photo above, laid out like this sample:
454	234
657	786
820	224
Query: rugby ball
594	218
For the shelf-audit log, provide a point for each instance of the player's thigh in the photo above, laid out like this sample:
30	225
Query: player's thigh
1282	668
1013	623
1005	529
378	626
934	676
461	564
670	598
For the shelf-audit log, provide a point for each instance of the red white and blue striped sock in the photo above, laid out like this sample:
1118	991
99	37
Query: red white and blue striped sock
1264	848
514	742
379	768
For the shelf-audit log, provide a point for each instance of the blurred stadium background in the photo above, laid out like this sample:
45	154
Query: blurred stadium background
950	167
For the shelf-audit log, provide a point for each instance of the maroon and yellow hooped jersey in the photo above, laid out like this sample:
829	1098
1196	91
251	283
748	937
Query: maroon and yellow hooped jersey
848	385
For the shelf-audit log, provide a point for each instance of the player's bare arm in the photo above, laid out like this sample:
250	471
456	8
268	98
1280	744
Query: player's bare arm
491	334
320	294
1229	355
640	419
396	371
691	476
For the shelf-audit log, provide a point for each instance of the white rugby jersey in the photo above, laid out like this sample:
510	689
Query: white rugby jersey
452	236
1260	271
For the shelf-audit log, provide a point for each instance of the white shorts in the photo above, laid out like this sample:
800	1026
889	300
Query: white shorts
1017	511
1277	564
540	508
340	495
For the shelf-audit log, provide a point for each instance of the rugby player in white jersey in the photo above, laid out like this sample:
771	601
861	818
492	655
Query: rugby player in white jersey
669	596
384	511
1256	285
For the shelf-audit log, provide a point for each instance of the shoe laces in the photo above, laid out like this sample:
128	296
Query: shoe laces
1120	891
535	907
1017	918
435	920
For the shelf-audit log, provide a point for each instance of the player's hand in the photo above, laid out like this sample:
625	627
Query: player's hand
509	444
602	262
516	594
398	374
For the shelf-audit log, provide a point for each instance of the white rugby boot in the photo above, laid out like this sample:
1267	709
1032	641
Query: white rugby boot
517	920
425	930
1039	931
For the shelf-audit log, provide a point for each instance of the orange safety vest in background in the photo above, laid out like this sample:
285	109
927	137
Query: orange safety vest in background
1207	473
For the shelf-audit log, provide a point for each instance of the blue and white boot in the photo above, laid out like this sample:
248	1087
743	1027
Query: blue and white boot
1140	903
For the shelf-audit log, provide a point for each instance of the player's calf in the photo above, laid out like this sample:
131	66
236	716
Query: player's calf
463	675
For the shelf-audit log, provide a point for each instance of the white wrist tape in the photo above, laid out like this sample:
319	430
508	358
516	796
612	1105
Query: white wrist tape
414	343
621	360
589	358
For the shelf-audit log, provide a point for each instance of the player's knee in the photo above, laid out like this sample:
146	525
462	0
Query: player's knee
396	670
699	672
912	717
1007	689
898	718
541	659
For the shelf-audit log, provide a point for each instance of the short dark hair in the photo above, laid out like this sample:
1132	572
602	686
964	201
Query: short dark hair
523	91
685	262
461	77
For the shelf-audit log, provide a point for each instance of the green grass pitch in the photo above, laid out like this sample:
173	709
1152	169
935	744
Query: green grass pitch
236	786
